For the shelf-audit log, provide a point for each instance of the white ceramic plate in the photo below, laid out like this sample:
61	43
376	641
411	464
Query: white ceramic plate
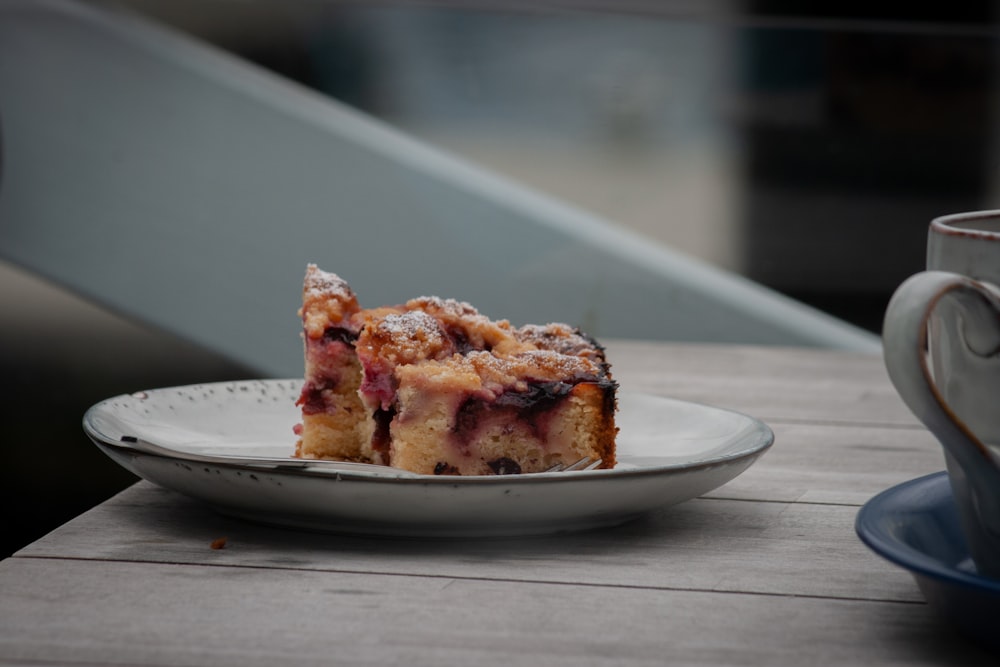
669	451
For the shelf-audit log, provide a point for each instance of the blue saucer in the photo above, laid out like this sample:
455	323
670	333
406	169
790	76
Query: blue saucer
915	525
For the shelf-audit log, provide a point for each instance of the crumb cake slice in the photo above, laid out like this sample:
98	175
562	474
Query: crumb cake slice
332	413
434	387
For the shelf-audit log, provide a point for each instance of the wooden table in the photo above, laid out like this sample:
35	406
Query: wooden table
763	571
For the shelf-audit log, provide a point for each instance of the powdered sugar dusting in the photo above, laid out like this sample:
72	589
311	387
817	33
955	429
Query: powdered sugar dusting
433	330
560	338
437	305
403	338
327	301
410	326
319	283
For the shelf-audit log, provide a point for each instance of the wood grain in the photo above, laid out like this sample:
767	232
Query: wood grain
706	544
156	614
769	383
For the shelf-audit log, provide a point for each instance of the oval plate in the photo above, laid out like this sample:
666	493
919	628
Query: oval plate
669	451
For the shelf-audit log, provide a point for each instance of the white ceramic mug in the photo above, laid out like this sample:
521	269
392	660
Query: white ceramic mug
941	341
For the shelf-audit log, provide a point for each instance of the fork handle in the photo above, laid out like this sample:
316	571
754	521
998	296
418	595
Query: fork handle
270	463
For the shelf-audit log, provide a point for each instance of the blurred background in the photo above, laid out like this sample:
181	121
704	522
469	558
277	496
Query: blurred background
803	145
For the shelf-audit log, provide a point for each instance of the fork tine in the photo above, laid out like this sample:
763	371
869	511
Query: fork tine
586	463
579	465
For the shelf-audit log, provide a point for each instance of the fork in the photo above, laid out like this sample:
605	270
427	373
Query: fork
267	462
586	463
282	463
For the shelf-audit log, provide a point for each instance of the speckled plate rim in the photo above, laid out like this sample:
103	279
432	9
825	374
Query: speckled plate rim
669	452
748	438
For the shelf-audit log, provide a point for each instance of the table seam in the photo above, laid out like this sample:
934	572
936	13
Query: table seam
832	598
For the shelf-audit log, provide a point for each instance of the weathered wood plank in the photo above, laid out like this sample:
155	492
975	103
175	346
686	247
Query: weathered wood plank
843	464
705	544
115	613
768	383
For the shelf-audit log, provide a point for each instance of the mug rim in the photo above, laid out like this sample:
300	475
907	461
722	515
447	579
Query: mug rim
949	224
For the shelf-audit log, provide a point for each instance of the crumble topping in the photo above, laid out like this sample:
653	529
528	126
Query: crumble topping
326	298
405	338
561	338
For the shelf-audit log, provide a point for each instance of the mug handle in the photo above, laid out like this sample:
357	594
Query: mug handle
905	345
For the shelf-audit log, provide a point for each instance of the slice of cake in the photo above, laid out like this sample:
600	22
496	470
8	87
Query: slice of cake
434	387
332	414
